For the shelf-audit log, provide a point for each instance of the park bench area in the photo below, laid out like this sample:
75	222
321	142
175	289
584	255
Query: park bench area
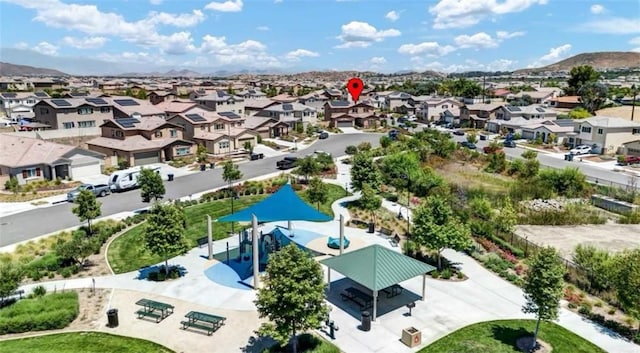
362	299
203	321
153	309
393	291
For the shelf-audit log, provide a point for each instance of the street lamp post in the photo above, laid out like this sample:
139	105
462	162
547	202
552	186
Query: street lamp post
406	176
295	143
633	104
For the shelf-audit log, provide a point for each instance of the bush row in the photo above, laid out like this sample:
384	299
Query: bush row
49	312
623	330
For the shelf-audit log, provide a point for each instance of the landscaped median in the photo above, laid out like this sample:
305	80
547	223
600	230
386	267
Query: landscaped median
501	337
85	342
127	253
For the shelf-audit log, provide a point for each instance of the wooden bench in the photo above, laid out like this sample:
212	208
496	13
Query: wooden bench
386	231
203	241
357	296
152	314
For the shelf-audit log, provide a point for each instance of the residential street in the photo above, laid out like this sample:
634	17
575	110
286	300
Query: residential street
31	224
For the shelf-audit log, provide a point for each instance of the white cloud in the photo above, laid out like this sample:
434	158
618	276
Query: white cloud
469	65
613	25
155	2
176	44
361	35
21	45
597	9
465	13
46	48
392	16
227	6
509	35
263	28
554	54
297	54
180	20
431	49
249	53
85	43
478	40
378	60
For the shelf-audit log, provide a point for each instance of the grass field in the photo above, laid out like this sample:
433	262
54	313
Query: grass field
500	337
85	342
127	253
48	312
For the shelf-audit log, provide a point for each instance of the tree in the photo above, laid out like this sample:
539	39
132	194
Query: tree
593	96
597	264
627	281
87	208
543	286
579	113
230	172
11	274
164	232
318	192
325	161
472	138
579	76
369	201
201	153
308	166
385	141
437	228
292	297
363	171
142	94
75	250
248	146
506	218
151	184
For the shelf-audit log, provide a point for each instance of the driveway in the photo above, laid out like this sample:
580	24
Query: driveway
350	130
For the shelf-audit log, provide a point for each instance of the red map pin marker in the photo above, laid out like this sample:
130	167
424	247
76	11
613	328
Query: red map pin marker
355	87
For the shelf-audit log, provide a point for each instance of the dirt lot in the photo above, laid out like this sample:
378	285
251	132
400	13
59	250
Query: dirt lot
620	112
613	237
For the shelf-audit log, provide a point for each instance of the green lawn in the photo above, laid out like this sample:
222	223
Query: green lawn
127	253
335	192
500	337
85	342
307	343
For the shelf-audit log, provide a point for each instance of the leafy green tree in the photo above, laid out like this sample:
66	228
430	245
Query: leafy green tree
506	218
398	169
325	161
248	145
75	250
364	147
579	76
481	208
292	298
385	141
597	263
230	172
627	281
11	274
310	130
369	200
593	96
472	137
543	286
12	185
363	171
142	94
318	192
579	113
87	208
436	227
308	166
151	184
164	232
201	153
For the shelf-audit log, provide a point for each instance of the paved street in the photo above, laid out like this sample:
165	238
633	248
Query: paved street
28	225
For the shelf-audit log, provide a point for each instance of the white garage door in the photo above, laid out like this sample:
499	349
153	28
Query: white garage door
85	170
347	123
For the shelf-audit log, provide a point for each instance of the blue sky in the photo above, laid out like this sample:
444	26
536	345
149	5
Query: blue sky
300	35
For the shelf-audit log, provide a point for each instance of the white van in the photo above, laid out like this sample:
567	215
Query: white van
122	180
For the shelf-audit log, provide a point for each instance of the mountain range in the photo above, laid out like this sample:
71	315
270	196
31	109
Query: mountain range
95	67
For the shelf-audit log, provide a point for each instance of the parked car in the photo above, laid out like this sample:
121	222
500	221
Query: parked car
468	145
626	160
459	132
323	135
582	149
509	143
287	162
393	134
100	190
256	156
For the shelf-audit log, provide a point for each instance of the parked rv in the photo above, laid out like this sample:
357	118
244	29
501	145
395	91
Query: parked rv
127	179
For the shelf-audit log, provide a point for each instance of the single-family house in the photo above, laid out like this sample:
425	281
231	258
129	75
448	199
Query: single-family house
254	106
631	148
19	105
141	141
565	102
438	109
544	129
198	119
539	97
347	114
267	127
221	101
477	115
157	97
314	99
290	113
125	107
30	159
176	106
251	93
398	102
73	113
605	134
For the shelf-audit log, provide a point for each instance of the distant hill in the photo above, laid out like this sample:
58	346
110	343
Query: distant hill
170	73
599	61
7	69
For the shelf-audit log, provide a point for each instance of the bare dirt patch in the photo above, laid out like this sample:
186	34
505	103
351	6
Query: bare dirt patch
524	344
623	112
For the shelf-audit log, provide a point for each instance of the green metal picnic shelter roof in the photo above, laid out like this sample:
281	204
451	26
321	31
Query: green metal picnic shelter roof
377	267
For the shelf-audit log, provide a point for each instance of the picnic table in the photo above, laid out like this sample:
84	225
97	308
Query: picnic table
357	296
203	321
393	291
154	309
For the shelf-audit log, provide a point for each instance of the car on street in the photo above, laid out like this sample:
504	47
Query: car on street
510	144
256	156
323	135
287	163
100	190
582	149
459	132
468	145
393	134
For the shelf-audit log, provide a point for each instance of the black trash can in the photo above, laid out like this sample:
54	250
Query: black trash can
570	157
366	321
212	165
170	177
203	167
566	157
372	227
112	317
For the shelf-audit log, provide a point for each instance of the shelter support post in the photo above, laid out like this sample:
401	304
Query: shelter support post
341	234
328	280
424	286
289	226
256	255
375	305
210	237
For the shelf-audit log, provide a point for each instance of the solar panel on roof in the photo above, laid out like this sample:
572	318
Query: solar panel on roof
96	101
340	103
540	110
230	115
126	102
512	108
41	94
195	117
127	122
9	95
287	107
61	102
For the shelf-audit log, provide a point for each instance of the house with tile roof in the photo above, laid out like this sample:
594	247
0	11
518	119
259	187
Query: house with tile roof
141	141
71	113
221	101
347	114
290	113
31	159
605	134
19	105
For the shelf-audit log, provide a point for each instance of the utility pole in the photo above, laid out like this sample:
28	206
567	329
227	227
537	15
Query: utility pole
484	86
633	101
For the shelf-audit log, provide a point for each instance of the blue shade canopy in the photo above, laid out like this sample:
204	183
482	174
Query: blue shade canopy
284	205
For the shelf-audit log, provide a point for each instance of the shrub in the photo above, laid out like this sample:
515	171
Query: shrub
611	312
49	312
445	274
351	150
460	275
572	306
435	274
39	291
584	310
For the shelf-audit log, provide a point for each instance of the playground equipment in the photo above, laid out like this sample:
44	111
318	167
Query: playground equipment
334	243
